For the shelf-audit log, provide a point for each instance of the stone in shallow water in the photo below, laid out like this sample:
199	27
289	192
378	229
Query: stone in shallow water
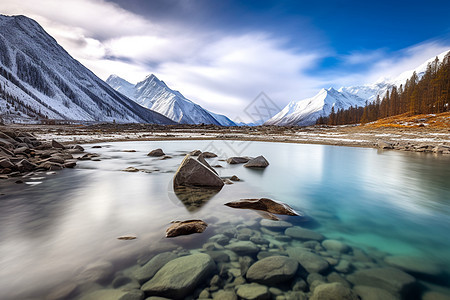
393	280
179	277
264	204
237	160
372	293
257	162
243	248
201	158
131	169
413	265
185	227
156	153
333	291
193	173
303	234
225	295
272	270
334	245
96	272
253	291
431	295
148	270
276	225
312	263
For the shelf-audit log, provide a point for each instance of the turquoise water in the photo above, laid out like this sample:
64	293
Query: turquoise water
52	226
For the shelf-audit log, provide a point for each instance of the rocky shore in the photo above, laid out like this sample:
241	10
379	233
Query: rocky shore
414	139
22	154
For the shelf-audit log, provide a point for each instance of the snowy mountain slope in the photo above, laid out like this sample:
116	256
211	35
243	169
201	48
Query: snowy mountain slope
156	95
305	112
39	79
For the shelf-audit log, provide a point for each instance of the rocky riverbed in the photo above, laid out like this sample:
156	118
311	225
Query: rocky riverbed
259	259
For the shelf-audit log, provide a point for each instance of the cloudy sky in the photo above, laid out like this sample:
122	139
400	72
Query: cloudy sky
222	54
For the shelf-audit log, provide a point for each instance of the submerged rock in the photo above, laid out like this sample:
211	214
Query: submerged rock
275	225
390	279
156	153
193	197
193	173
179	277
264	204
237	160
413	265
372	293
149	270
272	270
332	291
253	291
243	248
311	262
114	294
336	246
257	162
185	228
303	234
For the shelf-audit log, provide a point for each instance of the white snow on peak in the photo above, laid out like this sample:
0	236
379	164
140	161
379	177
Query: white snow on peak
154	94
39	79
305	112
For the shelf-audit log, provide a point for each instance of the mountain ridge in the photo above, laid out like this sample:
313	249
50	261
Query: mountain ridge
39	79
155	94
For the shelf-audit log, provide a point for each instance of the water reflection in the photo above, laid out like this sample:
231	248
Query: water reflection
394	202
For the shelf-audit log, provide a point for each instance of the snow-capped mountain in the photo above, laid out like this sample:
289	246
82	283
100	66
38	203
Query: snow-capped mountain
306	112
156	95
39	79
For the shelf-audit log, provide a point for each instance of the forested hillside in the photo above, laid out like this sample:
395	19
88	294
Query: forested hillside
427	95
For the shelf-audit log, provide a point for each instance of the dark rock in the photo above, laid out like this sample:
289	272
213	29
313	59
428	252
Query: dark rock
179	277
58	145
25	166
234	178
70	163
332	291
272	270
237	160
185	228
6	163
156	153
209	154
264	204
195	153
201	159
130	169
193	173
257	162
96	147
50	166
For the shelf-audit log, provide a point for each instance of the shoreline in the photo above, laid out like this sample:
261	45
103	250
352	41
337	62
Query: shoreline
414	139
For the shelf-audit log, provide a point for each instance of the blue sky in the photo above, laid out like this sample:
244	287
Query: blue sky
221	54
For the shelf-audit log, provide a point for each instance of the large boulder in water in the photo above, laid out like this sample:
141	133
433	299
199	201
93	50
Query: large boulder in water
193	173
185	227
264	204
272	270
201	158
257	162
180	276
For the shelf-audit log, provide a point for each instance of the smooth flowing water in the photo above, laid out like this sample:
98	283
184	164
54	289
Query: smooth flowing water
58	232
